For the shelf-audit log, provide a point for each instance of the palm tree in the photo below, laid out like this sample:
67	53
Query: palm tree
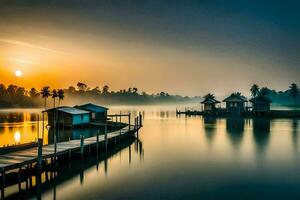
254	90
54	96
294	91
45	92
61	95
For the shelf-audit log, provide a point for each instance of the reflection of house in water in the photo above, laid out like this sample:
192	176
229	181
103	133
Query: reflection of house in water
97	113
261	133
72	134
295	133
235	129
210	124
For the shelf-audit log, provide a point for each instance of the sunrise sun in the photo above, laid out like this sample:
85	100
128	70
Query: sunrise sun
18	73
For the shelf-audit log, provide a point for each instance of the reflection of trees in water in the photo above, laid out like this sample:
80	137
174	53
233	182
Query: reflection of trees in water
295	126
235	129
210	124
11	117
261	133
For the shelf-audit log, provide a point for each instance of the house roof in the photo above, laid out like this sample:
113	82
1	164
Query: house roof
235	98
210	101
69	110
260	99
92	107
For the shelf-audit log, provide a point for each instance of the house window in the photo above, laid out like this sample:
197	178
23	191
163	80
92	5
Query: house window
81	117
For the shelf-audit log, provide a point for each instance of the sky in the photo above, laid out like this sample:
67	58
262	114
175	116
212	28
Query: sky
182	47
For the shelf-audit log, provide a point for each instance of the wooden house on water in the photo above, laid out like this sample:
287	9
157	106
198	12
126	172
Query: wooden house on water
68	116
97	113
210	105
260	105
235	104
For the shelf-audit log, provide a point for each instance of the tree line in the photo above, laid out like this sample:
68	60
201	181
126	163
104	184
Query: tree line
15	96
291	96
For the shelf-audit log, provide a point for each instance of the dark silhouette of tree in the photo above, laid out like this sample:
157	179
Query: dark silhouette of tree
33	93
81	86
61	95
105	89
45	92
134	90
11	90
54	95
254	90
264	91
71	90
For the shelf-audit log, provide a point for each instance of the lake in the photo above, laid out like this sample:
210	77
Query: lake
176	158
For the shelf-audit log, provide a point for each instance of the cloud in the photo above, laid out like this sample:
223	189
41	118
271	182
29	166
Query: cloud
33	46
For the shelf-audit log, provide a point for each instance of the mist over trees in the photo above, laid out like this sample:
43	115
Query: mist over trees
14	96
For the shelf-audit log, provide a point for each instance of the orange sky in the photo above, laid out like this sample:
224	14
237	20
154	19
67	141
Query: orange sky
122	47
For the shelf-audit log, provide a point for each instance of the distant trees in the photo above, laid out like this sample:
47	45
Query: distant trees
105	89
81	86
264	91
15	96
254	90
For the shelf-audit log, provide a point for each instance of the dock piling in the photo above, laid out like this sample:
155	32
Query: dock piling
97	141
105	136
129	121
40	153
81	145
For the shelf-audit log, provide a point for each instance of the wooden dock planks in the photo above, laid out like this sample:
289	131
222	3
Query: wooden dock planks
19	158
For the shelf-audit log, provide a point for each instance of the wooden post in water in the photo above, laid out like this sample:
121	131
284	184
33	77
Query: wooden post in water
140	119
105	137
97	140
40	153
82	145
129	124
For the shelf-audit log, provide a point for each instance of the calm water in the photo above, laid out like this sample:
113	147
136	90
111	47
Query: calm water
186	158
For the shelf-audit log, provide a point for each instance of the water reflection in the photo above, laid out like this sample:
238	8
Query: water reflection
72	134
295	132
235	129
54	178
261	134
181	163
210	125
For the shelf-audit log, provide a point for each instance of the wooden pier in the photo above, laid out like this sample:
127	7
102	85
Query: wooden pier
35	158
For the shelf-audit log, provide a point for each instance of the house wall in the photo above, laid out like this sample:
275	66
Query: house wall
81	119
61	118
235	108
99	116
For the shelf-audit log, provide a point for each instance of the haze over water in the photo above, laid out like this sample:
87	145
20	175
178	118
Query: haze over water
191	157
